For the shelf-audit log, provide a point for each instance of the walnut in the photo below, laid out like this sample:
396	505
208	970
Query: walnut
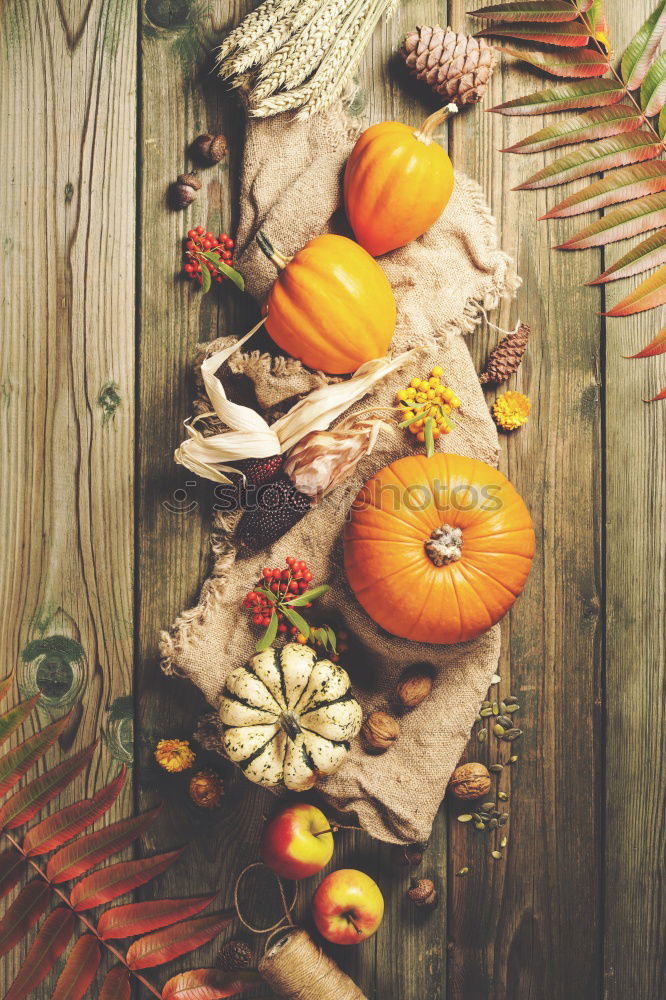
415	685
470	781
380	731
423	892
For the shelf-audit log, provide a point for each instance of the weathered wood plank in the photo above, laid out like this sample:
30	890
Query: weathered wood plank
635	722
67	205
510	922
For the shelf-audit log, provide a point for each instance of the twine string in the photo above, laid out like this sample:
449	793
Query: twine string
284	921
298	969
499	329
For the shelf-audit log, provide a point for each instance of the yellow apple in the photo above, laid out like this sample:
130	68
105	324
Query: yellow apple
347	907
298	842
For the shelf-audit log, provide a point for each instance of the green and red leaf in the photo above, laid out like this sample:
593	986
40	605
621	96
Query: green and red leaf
565	97
27	801
165	945
151	915
660	395
115	880
656	346
51	940
618	151
11	720
638	216
11	869
550	11
641	50
649	253
653	88
571	34
649	294
619	186
209	984
577	64
32	901
68	823
600	123
5	684
79	857
80	969
116	985
19	760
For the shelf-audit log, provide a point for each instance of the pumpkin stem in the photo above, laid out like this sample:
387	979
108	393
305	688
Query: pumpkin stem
427	131
277	258
444	545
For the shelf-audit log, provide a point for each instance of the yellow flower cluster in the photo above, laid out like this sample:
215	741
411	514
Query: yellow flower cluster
174	755
427	406
510	410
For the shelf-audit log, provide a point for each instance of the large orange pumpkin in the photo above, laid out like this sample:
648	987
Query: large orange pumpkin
331	306
438	549
398	181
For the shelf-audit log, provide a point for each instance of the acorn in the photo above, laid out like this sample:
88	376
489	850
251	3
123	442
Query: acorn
185	190
407	855
423	893
209	149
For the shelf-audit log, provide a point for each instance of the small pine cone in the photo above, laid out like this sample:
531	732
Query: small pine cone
456	66
423	893
234	955
505	359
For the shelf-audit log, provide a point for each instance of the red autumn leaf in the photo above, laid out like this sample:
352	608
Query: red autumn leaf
649	294
565	97
27	801
68	823
151	915
579	64
11	869
618	186
571	34
19	760
52	939
656	346
209	984
87	852
5	684
660	395
32	901
161	947
618	151
599	123
116	985
528	10
115	880
11	720
80	969
649	253
638	216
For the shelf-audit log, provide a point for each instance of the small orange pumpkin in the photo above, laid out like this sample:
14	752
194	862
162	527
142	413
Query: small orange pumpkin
438	549
331	305
398	181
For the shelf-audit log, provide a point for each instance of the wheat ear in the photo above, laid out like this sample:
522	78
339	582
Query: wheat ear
272	42
252	27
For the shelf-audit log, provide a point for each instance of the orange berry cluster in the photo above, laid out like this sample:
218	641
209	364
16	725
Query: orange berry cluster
427	405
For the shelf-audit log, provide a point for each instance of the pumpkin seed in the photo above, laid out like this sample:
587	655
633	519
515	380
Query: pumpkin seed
475	816
497	855
478	719
512	734
513	758
495	679
496	768
503	819
510	699
499	730
462	871
504	796
505	721
486	704
504	841
493	824
482	735
464	818
495	708
480	825
485	712
485	816
511	707
488	806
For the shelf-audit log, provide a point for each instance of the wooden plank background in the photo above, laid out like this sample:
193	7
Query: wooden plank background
104	539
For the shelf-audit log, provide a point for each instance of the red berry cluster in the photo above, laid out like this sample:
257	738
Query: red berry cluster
287	583
198	242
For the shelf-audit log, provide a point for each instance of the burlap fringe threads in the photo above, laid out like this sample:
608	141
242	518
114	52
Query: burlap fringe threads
297	969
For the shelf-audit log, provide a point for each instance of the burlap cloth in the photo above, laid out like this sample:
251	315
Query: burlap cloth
291	188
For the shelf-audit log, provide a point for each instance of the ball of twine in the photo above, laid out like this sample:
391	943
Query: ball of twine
297	969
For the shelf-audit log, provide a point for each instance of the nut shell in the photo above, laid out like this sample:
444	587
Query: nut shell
423	892
407	855
470	781
209	149
414	686
380	731
185	190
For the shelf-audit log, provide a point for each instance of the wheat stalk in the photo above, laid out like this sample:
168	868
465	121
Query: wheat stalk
273	41
254	26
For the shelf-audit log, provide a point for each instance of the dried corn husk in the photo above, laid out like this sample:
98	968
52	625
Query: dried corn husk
250	436
323	459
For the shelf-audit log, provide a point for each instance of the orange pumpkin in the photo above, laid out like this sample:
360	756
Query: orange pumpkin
398	181
331	306
438	549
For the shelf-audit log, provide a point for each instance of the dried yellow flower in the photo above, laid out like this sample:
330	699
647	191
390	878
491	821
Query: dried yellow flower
206	789
174	755
511	409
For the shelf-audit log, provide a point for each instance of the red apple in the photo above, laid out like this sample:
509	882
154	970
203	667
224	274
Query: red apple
297	842
347	907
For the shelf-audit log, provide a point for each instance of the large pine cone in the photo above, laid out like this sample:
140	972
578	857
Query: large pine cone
455	65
